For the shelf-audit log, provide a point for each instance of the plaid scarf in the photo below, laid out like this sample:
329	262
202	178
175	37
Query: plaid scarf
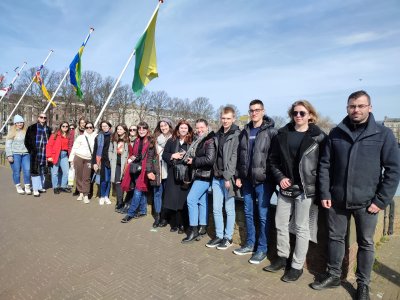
41	142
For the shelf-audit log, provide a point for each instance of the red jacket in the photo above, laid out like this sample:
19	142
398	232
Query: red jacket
53	147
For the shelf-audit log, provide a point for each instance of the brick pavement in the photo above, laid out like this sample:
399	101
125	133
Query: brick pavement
55	247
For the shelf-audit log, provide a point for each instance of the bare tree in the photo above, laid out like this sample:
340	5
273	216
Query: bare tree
91	83
142	105
219	110
123	98
279	121
180	108
201	108
325	123
159	103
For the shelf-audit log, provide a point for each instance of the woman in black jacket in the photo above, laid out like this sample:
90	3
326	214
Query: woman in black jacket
294	160
201	158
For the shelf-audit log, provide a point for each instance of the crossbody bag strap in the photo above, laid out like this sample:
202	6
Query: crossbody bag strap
90	149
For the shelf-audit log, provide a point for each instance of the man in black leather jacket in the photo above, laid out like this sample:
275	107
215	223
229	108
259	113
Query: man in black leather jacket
358	174
254	178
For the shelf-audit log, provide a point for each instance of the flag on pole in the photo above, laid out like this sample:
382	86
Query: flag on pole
5	92
38	79
75	70
146	58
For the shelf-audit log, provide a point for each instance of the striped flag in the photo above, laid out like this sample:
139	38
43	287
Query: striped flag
38	79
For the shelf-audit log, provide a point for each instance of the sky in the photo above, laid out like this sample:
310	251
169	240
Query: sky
228	51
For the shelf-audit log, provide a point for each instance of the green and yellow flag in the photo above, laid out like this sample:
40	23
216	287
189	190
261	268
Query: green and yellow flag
146	58
38	79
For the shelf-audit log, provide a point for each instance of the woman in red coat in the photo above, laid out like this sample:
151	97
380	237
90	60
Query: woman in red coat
57	155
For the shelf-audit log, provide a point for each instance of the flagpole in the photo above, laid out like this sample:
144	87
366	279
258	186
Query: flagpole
123	71
66	74
15	78
55	92
23	95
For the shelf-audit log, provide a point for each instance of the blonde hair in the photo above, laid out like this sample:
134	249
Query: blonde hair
13	131
311	110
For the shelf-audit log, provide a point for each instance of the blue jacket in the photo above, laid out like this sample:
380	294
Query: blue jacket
354	173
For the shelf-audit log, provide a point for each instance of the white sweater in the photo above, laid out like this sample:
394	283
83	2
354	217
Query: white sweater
81	147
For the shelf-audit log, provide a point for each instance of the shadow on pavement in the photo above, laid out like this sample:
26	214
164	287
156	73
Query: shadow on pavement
386	272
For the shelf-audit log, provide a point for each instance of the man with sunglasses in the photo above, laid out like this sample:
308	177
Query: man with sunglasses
255	179
359	172
36	139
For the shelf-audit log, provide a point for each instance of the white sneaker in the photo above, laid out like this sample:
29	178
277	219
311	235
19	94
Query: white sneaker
107	200
80	198
28	190
20	190
86	200
36	193
101	201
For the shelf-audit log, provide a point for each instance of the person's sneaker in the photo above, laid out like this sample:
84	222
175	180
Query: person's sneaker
107	200
36	193
20	190
213	243
126	219
101	201
362	292
80	198
42	191
246	249
258	257
292	275
86	200
28	190
225	244
66	190
329	281
277	265
56	190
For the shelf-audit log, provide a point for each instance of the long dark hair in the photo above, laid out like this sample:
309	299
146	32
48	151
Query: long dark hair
117	138
59	131
189	137
157	131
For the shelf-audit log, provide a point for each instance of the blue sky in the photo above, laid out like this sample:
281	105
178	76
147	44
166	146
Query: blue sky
229	51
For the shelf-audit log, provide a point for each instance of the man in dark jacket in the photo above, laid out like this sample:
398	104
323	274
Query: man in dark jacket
227	141
36	139
358	174
254	178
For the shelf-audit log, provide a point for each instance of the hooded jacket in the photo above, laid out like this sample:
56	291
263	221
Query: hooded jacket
259	167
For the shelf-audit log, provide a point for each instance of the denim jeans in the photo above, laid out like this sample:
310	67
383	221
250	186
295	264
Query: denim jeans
21	161
262	192
197	202
300	207
338	220
64	165
157	198
221	196
105	185
38	181
139	200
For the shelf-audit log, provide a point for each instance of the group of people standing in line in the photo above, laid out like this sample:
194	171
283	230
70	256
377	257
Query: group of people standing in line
355	170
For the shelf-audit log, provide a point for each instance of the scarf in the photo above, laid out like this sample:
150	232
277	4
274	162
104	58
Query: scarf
191	152
161	141
41	142
100	143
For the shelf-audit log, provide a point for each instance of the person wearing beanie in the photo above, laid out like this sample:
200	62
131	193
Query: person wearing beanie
18	156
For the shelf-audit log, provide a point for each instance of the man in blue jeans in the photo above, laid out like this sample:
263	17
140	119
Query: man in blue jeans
226	141
359	173
254	179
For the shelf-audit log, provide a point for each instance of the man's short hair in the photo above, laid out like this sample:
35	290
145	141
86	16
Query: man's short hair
201	120
256	101
358	94
228	109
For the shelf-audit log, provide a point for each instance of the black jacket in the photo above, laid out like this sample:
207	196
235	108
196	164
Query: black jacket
355	172
259	165
203	162
30	144
282	164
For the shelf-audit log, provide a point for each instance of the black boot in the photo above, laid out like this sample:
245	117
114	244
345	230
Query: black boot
192	235
202	232
156	221
362	292
277	265
119	205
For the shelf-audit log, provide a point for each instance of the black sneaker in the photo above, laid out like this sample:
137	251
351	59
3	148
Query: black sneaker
292	275
246	249
126	219
56	190
213	243
225	244
258	257
362	292
329	281
277	265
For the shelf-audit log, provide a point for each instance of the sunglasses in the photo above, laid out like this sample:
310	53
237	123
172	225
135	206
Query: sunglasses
301	113
41	117
64	126
143	128
89	127
133	129
71	127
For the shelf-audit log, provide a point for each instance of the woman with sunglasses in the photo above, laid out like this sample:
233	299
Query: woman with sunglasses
157	167
176	191
119	152
101	161
139	156
18	156
81	158
294	161
57	154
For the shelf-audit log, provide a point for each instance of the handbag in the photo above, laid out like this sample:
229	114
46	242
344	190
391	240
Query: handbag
135	168
292	191
181	172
